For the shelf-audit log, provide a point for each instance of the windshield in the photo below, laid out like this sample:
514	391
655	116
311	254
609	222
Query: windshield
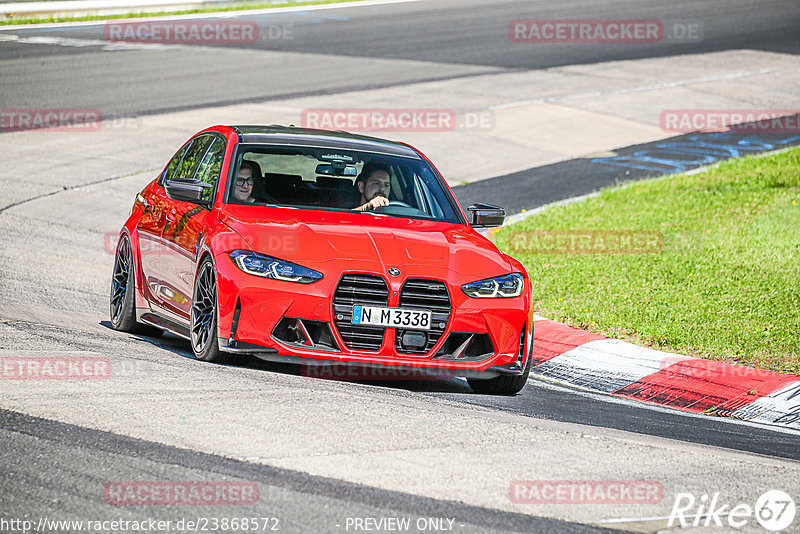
334	179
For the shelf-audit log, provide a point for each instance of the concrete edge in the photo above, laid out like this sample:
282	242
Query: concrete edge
78	8
524	214
596	363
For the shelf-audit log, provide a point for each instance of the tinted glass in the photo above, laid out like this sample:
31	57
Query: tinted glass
194	155
209	168
333	180
173	164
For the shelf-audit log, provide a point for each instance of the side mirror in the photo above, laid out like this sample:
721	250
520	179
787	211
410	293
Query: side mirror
486	215
188	191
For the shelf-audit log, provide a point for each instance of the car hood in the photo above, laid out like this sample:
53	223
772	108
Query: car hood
361	241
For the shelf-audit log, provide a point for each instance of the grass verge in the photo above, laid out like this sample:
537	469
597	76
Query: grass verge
238	7
706	264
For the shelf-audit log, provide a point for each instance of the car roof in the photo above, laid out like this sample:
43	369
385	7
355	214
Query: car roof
292	136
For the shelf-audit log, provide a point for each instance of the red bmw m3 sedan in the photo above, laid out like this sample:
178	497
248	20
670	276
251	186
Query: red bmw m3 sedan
321	248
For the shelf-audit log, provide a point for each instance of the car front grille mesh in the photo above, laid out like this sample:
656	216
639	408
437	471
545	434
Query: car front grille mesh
432	295
371	290
365	289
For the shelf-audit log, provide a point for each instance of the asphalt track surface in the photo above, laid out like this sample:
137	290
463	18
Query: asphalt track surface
358	48
438	40
543	185
299	502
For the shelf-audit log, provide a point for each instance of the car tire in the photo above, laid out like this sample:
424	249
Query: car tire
504	384
203	322
123	293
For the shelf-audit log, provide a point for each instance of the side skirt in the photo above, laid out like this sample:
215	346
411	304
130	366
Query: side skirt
161	321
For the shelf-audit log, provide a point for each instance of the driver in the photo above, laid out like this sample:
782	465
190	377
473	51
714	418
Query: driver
245	181
374	184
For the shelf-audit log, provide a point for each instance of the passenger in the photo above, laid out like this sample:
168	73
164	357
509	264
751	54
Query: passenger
374	184
245	180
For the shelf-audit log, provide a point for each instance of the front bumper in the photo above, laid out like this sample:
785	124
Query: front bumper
364	370
286	322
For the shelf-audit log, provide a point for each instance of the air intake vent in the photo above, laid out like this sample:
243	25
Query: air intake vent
366	289
427	295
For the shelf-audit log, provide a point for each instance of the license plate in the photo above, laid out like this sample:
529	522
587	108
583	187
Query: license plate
397	317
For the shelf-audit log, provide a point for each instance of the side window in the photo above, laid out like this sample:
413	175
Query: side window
208	170
173	164
194	155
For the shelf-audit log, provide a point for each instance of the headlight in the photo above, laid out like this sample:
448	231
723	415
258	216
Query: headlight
508	285
269	267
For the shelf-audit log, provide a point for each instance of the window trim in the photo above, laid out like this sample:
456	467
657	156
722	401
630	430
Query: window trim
242	148
216	184
209	206
162	180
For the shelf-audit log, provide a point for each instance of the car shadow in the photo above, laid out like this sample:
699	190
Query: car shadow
171	342
426	384
340	373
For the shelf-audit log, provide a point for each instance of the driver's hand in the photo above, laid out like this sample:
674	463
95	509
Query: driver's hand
374	203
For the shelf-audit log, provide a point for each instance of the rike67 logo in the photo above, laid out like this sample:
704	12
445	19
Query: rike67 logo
774	510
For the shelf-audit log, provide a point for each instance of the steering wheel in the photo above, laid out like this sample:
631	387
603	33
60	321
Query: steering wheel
392	209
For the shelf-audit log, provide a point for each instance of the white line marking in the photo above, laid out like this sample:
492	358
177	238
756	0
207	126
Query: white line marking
224	14
662	518
607	365
635	519
558	385
517	217
783	404
80	43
